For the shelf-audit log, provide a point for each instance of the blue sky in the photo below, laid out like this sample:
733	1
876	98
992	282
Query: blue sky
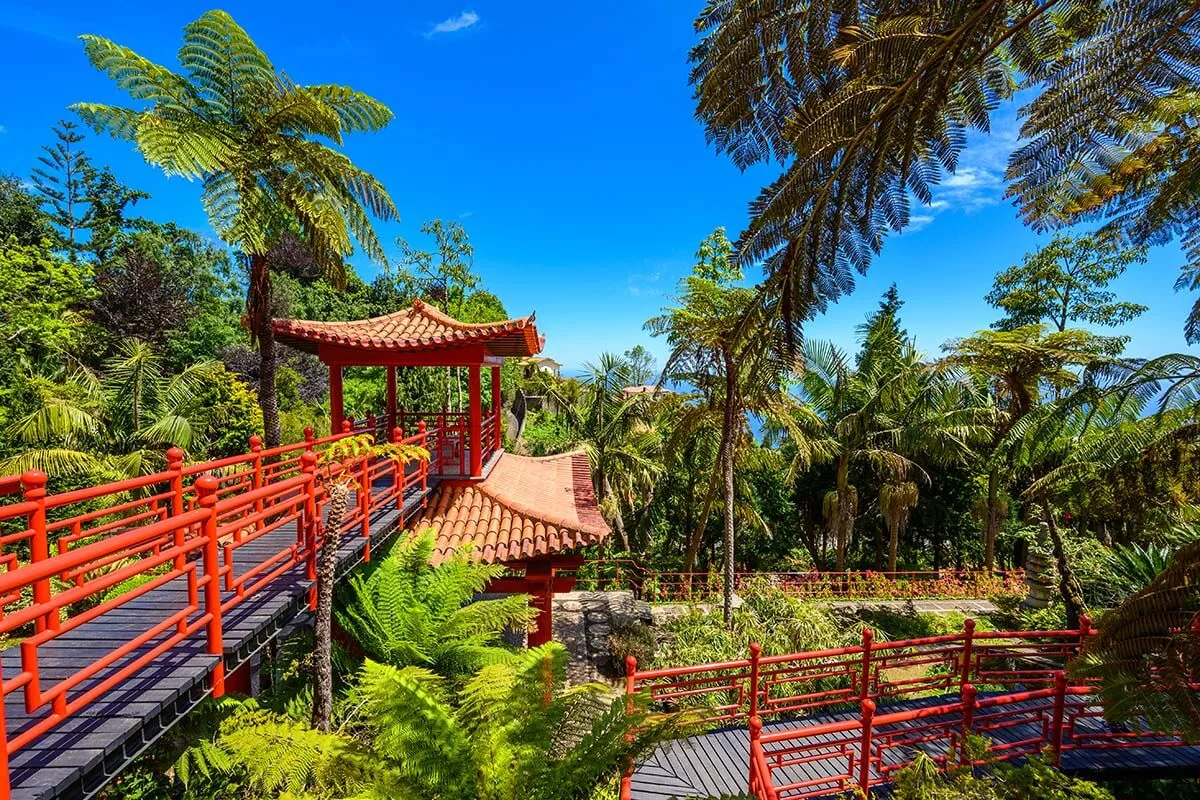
561	135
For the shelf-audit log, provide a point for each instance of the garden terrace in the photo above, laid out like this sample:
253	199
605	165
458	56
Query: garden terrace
818	724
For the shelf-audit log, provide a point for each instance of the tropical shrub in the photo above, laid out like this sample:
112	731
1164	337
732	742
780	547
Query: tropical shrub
512	731
404	611
631	639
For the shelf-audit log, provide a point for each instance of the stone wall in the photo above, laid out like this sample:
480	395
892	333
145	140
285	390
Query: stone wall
583	621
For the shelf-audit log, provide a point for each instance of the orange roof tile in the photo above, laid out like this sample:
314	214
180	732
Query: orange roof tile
420	327
526	507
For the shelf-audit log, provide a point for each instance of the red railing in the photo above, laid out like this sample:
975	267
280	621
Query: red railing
1007	686
200	533
654	586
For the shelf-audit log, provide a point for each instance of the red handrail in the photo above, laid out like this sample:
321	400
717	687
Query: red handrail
81	554
1023	672
658	586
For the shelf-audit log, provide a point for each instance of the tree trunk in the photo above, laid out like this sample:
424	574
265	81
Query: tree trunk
710	496
618	521
992	529
1068	586
339	495
893	543
258	310
727	469
845	514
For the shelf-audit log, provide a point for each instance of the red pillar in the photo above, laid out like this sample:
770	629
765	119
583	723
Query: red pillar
475	436
391	398
499	437
539	576
336	414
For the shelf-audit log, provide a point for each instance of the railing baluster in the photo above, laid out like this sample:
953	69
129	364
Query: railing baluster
867	716
964	671
33	483
206	492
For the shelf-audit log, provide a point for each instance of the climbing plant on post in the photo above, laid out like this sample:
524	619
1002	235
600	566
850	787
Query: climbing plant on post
338	476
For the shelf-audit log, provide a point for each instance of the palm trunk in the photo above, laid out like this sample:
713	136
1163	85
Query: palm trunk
339	495
618	521
993	519
845	516
1068	586
893	543
258	309
710	496
727	469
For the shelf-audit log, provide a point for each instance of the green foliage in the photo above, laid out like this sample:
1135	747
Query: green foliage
40	298
229	411
632	638
1033	780
513	730
404	611
1065	282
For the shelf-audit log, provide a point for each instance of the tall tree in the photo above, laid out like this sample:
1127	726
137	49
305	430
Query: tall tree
868	108
253	137
62	181
641	365
729	347
1064	282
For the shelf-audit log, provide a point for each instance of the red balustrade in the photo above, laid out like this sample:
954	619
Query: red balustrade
1008	686
656	586
201	533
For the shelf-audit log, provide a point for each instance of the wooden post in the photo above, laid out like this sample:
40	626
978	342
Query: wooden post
336	412
309	438
475	440
424	466
864	766
968	716
175	467
364	506
964	672
498	441
256	478
206	493
391	397
1056	725
755	650
755	748
864	690
33	485
539	576
310	521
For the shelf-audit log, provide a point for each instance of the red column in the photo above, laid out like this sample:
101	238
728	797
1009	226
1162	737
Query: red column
336	414
539	577
475	435
499	437
391	397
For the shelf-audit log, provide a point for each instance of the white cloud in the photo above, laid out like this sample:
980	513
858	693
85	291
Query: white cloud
918	221
451	24
645	284
3	130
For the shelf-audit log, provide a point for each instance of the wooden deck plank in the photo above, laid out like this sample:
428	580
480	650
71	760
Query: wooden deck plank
81	754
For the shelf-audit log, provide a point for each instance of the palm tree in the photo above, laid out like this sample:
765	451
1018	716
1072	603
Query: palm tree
616	432
253	137
729	347
513	730
888	410
869	107
112	424
1020	367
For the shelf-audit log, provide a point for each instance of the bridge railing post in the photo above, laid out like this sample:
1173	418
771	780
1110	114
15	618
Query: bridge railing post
864	689
206	496
309	438
309	522
256	477
964	670
1056	724
968	722
867	715
755	651
422	430
630	690
33	486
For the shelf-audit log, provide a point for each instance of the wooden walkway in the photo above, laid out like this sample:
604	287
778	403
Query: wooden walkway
79	756
716	764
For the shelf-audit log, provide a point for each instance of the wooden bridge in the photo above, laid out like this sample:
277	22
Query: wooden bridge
160	591
821	724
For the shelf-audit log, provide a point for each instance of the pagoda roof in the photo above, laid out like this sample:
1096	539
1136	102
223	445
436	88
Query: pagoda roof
526	507
420	327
